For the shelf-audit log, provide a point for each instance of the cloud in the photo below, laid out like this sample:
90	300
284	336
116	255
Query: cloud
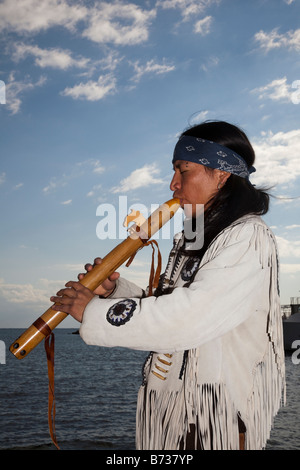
23	293
92	90
117	23
292	227
95	189
97	167
90	163
2	177
203	26
188	8
140	178
33	16
15	89
78	170
212	61
274	40
288	248
150	68
276	90
55	183
277	158
77	268
104	22
55	57
198	117
18	186
110	61
66	203
290	268
286	199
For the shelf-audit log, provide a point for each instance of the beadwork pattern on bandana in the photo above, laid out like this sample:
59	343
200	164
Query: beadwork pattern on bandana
121	312
189	268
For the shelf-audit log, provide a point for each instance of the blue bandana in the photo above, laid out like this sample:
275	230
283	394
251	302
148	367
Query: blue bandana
211	154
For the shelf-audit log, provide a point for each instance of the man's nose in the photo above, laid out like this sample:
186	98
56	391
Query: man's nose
175	183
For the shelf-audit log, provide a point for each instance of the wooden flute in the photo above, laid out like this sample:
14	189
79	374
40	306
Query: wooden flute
44	325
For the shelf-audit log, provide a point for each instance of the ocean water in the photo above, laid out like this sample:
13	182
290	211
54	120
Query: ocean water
96	390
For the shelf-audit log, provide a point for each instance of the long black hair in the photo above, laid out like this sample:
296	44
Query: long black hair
237	197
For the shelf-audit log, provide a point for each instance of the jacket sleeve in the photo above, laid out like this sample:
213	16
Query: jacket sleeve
125	288
226	290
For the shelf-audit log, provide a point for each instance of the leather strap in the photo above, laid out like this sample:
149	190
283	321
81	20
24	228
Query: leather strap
154	274
49	347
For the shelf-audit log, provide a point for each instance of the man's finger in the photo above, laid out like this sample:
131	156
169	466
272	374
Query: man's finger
65	300
66	292
75	285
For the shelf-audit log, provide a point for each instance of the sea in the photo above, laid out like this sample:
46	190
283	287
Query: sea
96	392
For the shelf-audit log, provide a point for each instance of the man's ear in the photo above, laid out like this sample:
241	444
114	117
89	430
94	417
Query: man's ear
222	178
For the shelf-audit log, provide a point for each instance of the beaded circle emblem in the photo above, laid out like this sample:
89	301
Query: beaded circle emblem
121	312
189	268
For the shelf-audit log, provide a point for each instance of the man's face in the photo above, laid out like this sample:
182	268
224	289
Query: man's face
193	185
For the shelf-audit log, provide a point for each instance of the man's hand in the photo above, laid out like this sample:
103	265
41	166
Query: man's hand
73	299
108	286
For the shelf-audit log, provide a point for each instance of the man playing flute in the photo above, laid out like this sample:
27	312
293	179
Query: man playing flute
216	376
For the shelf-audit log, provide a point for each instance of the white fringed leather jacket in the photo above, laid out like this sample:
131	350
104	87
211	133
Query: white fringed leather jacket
217	341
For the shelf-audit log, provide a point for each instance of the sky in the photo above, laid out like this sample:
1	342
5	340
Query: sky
93	96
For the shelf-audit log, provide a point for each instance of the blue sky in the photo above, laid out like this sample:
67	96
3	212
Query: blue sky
95	95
